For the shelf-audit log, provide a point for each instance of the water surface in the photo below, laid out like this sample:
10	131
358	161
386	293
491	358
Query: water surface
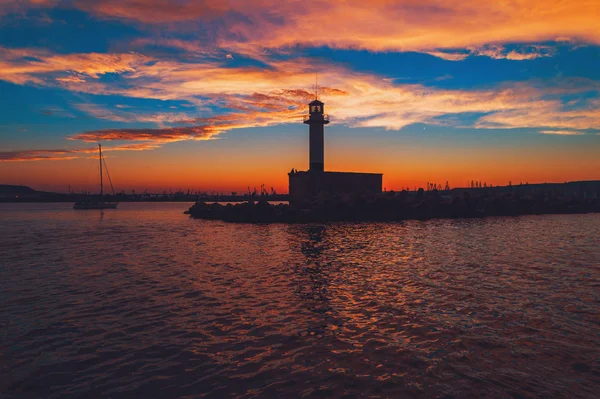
145	302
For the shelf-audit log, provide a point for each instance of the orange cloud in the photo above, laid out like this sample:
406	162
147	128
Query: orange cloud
521	53
22	66
562	132
156	135
38	155
153	11
67	154
497	52
71	79
448	56
206	128
378	25
549	114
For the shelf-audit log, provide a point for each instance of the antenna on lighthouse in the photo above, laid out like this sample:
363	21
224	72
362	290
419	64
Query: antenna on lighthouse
316	85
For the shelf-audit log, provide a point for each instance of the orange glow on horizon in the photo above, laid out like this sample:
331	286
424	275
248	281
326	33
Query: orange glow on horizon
236	173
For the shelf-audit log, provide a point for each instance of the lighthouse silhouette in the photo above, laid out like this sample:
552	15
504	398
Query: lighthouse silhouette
305	186
316	119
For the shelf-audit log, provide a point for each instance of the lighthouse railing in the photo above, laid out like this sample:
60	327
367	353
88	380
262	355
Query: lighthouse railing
316	117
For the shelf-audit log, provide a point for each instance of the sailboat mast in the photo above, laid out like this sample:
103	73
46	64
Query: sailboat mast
101	185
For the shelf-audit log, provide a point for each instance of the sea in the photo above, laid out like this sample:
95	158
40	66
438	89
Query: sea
145	302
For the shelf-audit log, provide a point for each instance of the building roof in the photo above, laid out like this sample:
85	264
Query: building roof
308	172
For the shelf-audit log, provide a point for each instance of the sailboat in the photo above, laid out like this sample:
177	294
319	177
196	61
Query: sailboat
98	203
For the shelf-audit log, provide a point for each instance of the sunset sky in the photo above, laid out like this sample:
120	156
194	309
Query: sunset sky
210	94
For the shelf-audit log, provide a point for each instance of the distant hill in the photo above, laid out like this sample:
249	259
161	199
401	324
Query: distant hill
11	193
6	189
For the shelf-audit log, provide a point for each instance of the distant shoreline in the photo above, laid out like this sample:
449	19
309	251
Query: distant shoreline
110	198
16	194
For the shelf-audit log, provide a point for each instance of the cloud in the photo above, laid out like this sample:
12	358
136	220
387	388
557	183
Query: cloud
547	114
156	136
71	79
158	11
448	56
497	52
377	25
56	111
562	132
204	128
119	115
520	53
23	66
38	155
67	154
516	56
20	6
190	47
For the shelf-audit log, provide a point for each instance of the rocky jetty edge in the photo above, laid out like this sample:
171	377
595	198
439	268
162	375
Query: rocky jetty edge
397	206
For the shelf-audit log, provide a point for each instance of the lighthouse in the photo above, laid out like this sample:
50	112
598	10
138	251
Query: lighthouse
305	186
316	120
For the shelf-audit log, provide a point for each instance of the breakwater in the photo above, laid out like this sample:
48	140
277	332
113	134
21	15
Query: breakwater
403	205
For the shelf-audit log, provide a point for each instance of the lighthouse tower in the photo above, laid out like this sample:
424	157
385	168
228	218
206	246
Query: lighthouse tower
316	120
304	186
